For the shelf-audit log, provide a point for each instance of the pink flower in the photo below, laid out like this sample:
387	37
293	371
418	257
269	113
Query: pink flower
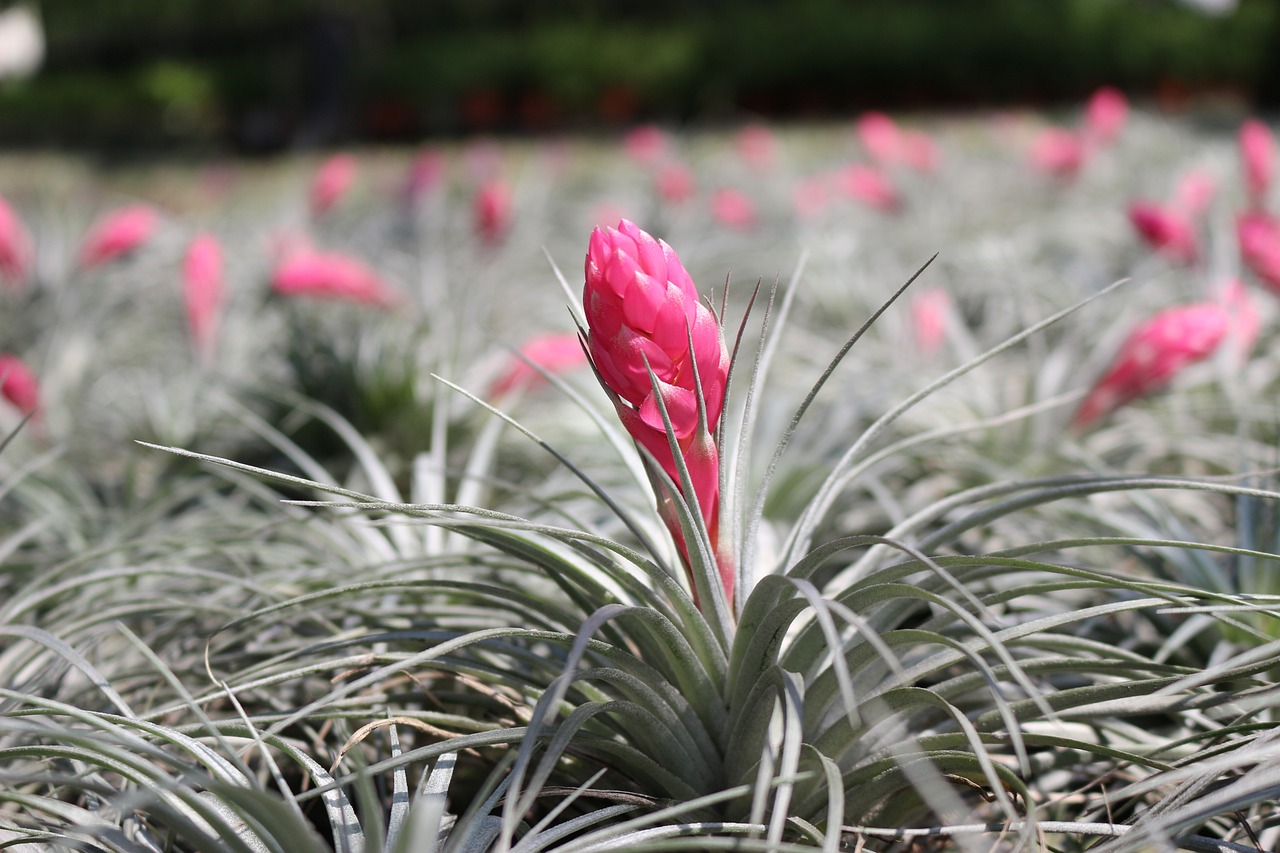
867	185
18	384
930	315
1153	354
675	182
644	318
1166	230
646	144
732	207
202	291
918	151
1057	152
1194	192
117	233
424	176
1259	236
1105	115
556	353
331	182
1246	321
1258	153
330	275
810	196
15	246
757	146
492	210
879	134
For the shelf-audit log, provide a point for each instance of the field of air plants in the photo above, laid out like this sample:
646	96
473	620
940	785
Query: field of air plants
334	517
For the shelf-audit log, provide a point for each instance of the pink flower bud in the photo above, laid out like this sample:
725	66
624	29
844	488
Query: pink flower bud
1105	115
18	384
330	275
1259	236
1194	193
646	144
868	185
557	353
1155	352
644	316
1166	230
15	246
117	233
331	182
1057	152
202	291
930	315
492	209
1258	154
757	146
732	207
675	182
880	136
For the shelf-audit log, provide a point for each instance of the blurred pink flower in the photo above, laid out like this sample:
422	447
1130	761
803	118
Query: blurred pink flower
1057	152
16	253
330	275
425	173
202	289
554	353
868	185
879	134
492	210
1258	154
732	207
1194	193
331	182
930	316
1259	237
646	144
1155	352
18	384
1246	320
675	182
644	320
1105	115
758	146
1166	230
919	151
810	196
117	233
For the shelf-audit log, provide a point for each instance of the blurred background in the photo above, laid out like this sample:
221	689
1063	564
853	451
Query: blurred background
259	77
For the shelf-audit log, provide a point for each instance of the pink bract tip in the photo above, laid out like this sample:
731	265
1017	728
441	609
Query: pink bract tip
1259	237
331	275
331	182
1155	352
646	144
930	316
492	211
1105	115
16	253
18	384
733	208
202	289
1195	192
117	233
868	185
675	182
1057	152
554	353
1167	231
880	136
